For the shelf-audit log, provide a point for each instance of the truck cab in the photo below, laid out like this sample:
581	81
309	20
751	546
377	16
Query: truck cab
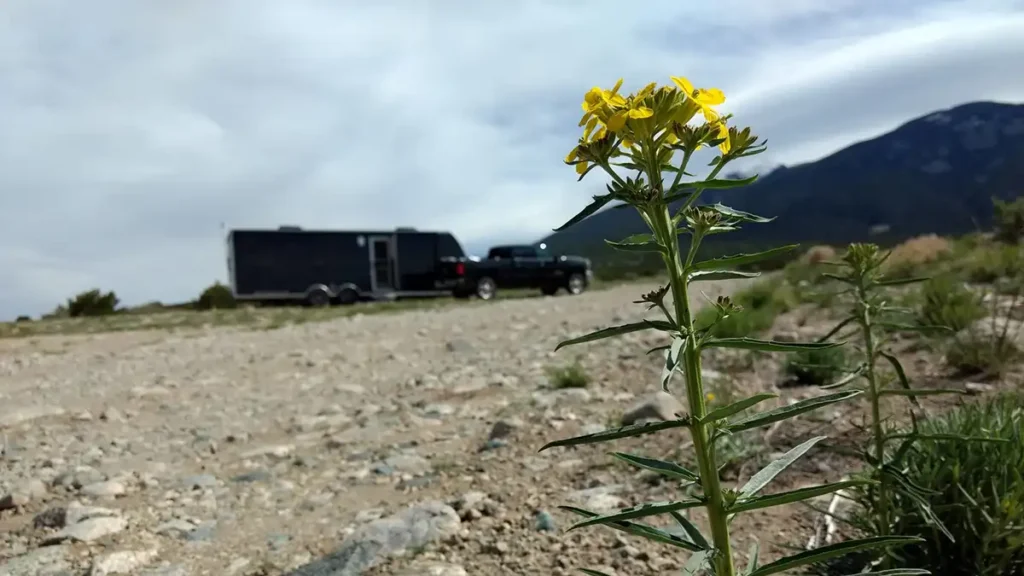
524	266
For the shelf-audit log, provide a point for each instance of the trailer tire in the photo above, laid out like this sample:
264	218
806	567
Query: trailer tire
486	288
347	297
576	284
318	298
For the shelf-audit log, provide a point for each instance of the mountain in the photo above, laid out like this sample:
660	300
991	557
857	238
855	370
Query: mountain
935	174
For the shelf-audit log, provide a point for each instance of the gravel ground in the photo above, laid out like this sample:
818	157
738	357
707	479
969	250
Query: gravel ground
400	443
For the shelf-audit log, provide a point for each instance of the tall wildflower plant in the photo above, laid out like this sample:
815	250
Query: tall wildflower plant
650	136
873	321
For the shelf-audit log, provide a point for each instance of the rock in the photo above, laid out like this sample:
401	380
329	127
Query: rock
46	561
659	406
199	481
971	387
90	529
413	528
278	451
259	475
503	429
601	499
405	464
168	570
112	414
545	521
122	562
438	411
22	415
108	489
493	444
434	569
14	500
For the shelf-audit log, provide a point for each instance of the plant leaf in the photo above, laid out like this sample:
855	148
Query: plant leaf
922	328
845	379
637	243
791	496
837	328
670	469
752	557
617	433
672	359
919	392
895	572
638	529
597	204
774	468
714	275
902	281
590	572
945	437
787	412
824	553
641	511
736	407
692	531
617	331
739	259
741	215
745	343
713	184
697	562
901	375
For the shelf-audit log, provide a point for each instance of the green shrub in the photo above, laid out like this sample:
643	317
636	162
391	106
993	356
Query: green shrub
92	303
761	303
571	376
983	351
1009	220
947	302
992	262
23	318
216	297
974	489
817	367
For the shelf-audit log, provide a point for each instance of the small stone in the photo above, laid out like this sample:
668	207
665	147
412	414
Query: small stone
108	489
545	521
259	475
199	481
659	406
503	429
91	529
112	414
975	388
14	500
493	444
122	562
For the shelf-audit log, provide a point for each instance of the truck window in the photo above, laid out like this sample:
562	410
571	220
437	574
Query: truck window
524	252
499	252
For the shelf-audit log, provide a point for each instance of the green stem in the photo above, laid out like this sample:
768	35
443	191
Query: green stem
876	413
701	432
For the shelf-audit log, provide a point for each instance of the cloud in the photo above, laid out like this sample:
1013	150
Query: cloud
129	137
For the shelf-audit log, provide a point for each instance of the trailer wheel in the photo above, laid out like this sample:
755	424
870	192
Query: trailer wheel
318	298
347	297
576	284
486	288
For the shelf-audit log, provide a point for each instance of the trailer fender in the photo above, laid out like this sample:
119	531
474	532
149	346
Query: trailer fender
347	293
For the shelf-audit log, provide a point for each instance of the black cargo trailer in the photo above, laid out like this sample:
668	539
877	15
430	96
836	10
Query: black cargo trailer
324	266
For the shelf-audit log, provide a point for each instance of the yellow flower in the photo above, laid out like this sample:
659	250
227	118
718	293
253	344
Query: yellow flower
710	396
722	131
703	97
597	102
573	156
631	110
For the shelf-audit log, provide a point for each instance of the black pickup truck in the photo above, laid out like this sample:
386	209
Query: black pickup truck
518	267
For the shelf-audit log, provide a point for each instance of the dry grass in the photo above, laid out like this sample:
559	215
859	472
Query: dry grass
920	250
818	254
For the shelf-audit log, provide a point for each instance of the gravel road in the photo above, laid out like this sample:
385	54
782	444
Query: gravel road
322	448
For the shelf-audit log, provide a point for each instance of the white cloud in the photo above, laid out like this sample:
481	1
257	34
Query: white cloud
133	128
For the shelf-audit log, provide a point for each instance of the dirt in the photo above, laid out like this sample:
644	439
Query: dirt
236	451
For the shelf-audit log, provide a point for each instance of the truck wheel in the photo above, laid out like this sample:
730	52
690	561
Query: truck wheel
486	288
576	285
549	290
318	298
348	297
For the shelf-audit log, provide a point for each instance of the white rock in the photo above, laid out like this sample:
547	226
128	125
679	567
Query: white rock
122	562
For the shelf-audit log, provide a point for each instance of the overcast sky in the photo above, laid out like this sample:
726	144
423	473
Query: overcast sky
130	130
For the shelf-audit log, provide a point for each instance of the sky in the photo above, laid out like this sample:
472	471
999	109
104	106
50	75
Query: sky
131	131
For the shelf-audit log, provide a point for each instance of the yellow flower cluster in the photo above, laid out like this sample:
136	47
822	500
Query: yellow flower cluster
652	112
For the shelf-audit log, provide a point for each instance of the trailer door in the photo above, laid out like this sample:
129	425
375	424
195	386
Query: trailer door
382	264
